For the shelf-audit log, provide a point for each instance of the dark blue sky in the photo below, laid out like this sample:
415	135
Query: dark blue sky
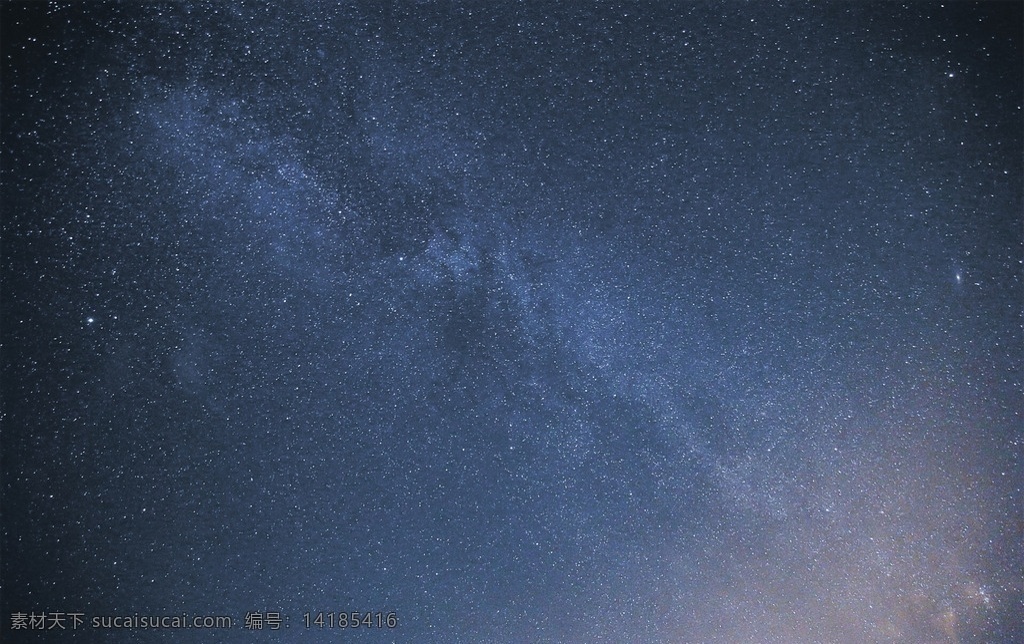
630	323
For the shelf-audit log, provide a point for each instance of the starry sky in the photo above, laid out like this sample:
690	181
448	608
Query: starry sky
529	322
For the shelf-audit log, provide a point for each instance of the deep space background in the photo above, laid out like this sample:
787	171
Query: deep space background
531	322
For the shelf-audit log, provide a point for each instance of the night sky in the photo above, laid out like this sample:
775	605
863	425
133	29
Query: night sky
528	322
